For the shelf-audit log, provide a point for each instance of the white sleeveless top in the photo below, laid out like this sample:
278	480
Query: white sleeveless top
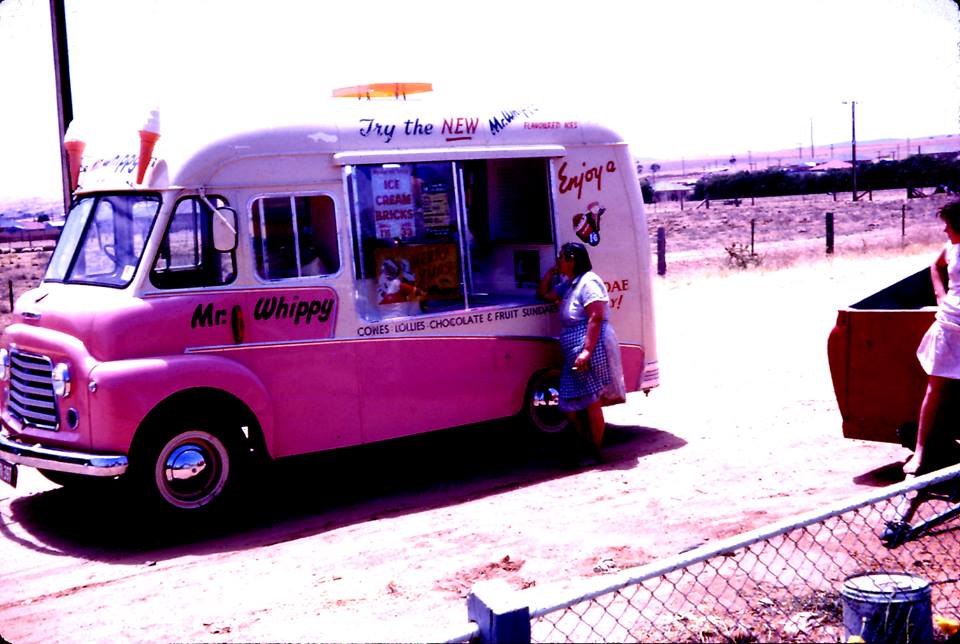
950	304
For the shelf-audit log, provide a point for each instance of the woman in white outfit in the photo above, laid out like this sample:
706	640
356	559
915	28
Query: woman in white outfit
939	350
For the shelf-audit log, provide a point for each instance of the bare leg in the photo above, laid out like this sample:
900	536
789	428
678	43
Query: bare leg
597	424
574	418
928	416
587	433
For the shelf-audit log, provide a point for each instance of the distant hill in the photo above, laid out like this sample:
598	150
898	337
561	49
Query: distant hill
18	208
761	160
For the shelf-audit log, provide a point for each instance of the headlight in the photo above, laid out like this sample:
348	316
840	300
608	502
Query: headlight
4	364
61	380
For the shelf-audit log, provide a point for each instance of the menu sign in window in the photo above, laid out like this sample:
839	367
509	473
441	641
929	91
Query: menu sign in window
394	211
436	210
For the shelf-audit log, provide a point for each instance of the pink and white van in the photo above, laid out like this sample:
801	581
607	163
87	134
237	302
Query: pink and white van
290	288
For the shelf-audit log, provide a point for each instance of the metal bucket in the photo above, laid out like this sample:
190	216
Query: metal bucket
887	607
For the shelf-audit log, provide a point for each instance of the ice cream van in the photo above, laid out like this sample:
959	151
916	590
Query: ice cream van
225	295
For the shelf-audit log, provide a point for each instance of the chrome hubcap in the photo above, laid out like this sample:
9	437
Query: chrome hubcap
192	469
544	409
185	463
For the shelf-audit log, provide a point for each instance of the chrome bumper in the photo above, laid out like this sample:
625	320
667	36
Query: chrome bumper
60	460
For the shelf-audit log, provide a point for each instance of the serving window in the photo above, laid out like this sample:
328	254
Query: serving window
449	235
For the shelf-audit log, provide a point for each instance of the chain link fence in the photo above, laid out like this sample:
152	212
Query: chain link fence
782	583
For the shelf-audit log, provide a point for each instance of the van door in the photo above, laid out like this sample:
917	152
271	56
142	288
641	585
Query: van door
311	375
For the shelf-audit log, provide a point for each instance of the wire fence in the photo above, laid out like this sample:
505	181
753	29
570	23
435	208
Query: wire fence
783	583
14	241
777	229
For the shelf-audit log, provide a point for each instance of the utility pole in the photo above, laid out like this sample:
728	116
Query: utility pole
853	143
61	68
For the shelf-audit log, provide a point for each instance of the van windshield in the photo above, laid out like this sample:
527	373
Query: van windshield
103	239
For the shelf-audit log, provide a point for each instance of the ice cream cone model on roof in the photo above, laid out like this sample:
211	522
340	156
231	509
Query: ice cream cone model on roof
148	139
74	150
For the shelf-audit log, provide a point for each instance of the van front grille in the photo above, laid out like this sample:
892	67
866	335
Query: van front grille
31	390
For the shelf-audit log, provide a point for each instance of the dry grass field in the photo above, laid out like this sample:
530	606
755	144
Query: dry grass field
20	270
792	229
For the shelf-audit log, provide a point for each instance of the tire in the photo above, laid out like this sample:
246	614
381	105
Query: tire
540	408
188	467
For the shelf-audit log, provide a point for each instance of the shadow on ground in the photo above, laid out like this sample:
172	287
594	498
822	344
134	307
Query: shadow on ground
882	476
891	473
304	496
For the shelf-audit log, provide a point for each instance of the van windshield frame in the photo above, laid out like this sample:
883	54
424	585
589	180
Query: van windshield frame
104	238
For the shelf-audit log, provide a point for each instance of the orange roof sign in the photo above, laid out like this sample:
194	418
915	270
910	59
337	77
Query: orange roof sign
382	90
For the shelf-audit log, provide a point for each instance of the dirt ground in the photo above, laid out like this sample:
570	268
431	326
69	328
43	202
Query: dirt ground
382	543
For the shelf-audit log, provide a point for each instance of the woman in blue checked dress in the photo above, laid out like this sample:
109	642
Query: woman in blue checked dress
592	372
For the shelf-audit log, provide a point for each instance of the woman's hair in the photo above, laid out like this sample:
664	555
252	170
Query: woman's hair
950	213
578	253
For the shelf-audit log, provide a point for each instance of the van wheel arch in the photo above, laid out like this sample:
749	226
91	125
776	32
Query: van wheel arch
226	407
205	426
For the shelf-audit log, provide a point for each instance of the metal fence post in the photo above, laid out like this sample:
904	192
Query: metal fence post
493	606
829	233
661	251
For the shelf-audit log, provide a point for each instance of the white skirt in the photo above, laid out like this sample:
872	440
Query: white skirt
939	350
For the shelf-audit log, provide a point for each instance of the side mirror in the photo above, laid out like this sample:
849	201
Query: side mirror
224	229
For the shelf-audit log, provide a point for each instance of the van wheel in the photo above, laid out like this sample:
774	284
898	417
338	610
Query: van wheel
188	467
541	403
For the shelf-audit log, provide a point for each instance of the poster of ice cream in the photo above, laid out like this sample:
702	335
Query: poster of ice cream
417	271
394	212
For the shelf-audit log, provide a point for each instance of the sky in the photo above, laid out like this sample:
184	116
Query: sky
678	78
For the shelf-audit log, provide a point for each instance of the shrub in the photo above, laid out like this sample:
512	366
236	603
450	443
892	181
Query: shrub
915	171
742	256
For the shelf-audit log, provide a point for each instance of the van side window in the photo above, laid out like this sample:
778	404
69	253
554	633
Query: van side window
407	245
187	257
295	236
